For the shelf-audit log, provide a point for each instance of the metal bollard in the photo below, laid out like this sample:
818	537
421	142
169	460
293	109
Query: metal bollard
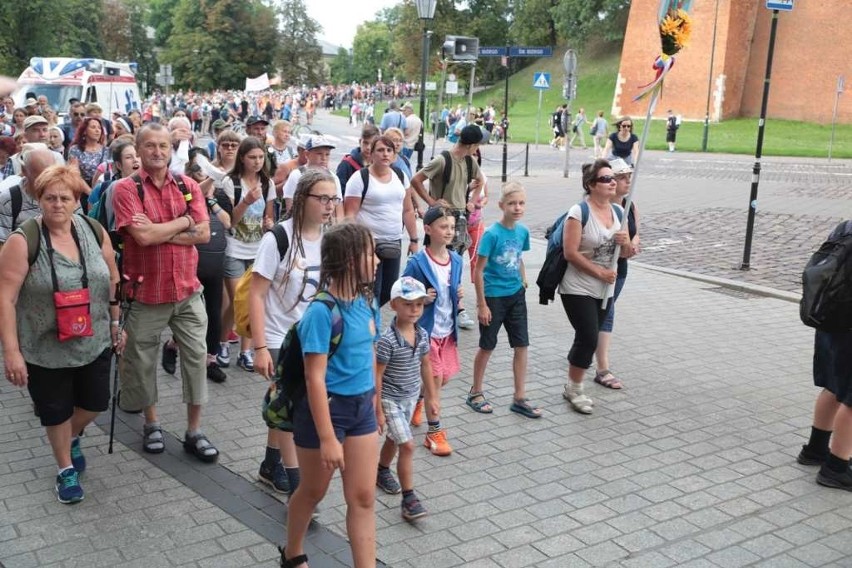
527	161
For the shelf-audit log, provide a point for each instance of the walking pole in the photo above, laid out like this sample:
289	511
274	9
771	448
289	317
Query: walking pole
126	304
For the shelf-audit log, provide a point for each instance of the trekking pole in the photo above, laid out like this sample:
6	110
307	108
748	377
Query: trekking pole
126	303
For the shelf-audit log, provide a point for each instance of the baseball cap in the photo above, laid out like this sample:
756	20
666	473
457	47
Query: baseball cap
33	120
31	102
219	124
471	134
303	140
408	288
252	120
619	166
318	141
433	214
408	105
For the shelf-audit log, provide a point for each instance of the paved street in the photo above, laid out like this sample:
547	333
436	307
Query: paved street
692	464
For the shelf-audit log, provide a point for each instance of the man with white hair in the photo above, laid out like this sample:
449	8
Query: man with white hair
17	193
392	118
413	126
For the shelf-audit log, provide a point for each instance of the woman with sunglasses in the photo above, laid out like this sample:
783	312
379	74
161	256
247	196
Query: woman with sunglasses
592	229
226	151
623	143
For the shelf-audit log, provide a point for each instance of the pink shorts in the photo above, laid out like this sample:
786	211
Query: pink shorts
444	356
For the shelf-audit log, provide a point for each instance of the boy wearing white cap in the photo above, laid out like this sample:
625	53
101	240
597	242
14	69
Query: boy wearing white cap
402	356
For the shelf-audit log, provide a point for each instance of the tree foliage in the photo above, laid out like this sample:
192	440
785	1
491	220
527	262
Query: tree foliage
340	69
299	54
581	20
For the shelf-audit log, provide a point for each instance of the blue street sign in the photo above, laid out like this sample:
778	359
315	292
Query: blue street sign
541	80
782	5
520	51
492	51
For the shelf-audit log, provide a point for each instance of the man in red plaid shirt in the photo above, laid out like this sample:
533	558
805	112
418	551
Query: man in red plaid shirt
160	233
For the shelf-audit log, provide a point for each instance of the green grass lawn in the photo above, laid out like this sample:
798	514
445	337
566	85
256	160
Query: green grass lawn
597	75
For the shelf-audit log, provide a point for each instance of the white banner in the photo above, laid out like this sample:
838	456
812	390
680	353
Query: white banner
258	83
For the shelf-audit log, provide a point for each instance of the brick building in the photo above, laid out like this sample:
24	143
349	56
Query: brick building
811	50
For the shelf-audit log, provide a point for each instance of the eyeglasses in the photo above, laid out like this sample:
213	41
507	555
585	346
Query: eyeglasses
229	145
325	199
79	114
626	126
605	179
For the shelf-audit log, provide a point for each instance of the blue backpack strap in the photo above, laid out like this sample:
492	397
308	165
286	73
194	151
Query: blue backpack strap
584	212
336	320
619	212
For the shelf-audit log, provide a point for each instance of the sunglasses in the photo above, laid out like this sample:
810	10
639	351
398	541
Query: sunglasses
605	179
79	114
325	199
230	145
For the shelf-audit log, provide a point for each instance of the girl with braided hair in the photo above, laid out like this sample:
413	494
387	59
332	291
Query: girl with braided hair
335	426
285	276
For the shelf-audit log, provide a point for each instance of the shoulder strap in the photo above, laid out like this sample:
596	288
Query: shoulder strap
448	166
352	162
468	160
96	228
187	194
31	232
399	173
139	191
618	212
336	320
584	213
281	239
265	189
238	190
17	195
365	182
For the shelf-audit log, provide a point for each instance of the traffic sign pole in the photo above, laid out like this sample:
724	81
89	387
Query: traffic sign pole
841	85
761	126
538	117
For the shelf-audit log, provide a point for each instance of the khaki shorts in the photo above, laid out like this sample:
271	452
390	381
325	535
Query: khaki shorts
138	372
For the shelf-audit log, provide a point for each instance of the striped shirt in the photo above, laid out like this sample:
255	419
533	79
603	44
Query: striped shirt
401	380
168	269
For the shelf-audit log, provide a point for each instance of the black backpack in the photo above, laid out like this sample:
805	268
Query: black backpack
365	179
238	189
827	283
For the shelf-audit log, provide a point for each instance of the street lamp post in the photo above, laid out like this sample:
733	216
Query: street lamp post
426	12
710	82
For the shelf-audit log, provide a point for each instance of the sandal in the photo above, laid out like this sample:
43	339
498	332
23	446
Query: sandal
200	447
152	439
523	406
481	405
607	379
579	401
292	562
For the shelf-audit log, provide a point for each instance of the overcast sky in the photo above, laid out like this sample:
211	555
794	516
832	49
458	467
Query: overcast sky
339	20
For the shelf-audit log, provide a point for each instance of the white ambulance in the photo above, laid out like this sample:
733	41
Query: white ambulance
108	83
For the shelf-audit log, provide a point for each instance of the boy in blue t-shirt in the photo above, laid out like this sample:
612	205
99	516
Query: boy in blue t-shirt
501	282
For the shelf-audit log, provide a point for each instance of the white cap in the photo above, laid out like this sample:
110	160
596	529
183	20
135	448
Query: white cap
408	288
619	166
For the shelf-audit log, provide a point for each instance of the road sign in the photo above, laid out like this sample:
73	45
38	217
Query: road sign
521	51
541	80
431	86
783	5
492	51
452	88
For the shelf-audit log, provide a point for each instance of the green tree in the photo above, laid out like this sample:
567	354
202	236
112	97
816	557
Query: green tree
341	67
490	23
299	55
218	43
160	16
534	23
372	52
581	20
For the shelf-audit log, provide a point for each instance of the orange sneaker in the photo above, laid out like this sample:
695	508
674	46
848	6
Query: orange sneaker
437	443
417	415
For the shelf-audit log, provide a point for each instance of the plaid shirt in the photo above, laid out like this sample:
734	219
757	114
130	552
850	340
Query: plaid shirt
168	269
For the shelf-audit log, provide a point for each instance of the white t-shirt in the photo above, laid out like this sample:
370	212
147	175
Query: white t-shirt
597	244
244	237
381	210
443	325
289	292
293	180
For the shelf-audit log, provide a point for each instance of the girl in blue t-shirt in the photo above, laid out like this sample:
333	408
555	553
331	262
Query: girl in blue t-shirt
335	425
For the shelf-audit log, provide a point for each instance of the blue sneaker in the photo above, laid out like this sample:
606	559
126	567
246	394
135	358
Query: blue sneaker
78	460
246	361
275	476
68	490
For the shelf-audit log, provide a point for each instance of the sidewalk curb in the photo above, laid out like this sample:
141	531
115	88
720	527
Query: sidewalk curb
725	282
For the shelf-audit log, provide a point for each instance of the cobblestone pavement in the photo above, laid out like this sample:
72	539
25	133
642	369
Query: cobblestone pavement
692	464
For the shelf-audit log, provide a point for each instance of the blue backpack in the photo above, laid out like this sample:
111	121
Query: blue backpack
555	265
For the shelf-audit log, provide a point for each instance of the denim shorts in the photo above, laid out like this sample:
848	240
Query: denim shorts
350	416
236	267
509	312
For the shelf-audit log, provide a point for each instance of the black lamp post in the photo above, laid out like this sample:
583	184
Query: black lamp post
426	12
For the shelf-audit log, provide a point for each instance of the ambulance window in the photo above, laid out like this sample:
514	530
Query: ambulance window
91	95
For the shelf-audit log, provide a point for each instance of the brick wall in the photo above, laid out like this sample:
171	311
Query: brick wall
811	49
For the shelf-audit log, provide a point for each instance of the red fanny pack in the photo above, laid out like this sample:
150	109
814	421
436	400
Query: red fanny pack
73	316
73	307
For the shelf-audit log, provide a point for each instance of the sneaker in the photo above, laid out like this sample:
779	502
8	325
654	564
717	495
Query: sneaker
437	443
464	320
274	476
68	490
169	359
417	415
215	374
809	457
246	361
233	337
830	478
78	460
386	482
413	509
223	357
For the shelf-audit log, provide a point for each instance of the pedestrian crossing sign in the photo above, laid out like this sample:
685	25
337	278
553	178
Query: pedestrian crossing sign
541	80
